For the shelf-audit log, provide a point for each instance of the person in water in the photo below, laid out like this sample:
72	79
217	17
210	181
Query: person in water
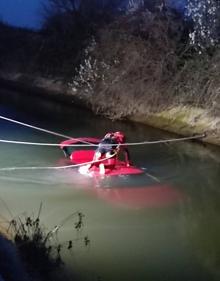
120	138
108	150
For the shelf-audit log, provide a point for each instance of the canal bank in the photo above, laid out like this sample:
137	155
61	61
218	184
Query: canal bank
159	223
184	120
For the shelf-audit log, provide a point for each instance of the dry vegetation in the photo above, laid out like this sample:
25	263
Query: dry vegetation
34	252
142	63
130	64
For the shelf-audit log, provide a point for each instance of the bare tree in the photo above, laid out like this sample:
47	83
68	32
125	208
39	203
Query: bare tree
205	17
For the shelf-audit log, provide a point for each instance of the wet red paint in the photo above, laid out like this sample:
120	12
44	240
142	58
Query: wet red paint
83	140
149	196
84	156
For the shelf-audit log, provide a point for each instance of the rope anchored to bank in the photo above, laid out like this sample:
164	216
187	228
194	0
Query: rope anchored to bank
83	143
87	144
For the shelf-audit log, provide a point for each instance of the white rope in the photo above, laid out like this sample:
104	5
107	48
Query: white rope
44	144
90	144
39	129
57	167
43	168
166	140
78	145
83	141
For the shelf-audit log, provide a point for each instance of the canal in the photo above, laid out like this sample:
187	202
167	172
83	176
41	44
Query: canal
163	225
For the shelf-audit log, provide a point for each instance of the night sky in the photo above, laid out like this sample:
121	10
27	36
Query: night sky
27	13
23	13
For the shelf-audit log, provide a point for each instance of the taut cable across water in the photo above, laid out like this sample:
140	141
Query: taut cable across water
90	144
84	143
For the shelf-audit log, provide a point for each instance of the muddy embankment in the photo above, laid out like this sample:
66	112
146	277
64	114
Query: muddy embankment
182	120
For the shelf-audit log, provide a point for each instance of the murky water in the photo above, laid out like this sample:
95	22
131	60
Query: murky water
163	225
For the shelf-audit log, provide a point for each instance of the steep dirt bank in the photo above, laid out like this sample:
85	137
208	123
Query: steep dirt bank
185	120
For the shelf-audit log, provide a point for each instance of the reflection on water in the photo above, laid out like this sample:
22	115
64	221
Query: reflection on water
202	228
162	225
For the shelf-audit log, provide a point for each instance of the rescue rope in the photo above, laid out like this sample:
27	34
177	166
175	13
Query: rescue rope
87	144
46	144
200	136
57	167
39	129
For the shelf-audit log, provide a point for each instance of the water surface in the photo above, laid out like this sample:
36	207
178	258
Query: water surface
141	228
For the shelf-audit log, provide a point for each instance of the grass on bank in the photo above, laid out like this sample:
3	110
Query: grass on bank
39	248
135	64
143	64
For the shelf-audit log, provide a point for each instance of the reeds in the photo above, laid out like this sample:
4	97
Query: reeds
39	248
